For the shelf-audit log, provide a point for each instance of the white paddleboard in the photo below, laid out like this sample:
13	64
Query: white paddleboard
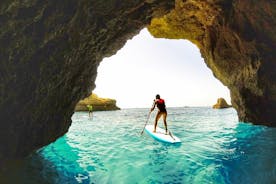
161	135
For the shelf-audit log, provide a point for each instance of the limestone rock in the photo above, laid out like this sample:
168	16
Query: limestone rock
237	40
49	54
221	103
98	104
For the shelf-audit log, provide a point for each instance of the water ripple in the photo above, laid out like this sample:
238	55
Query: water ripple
109	148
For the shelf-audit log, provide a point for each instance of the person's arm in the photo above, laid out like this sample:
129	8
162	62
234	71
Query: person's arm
153	105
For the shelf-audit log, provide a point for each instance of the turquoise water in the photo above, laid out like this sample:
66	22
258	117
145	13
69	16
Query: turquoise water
215	148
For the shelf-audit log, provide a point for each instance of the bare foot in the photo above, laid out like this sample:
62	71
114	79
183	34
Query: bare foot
154	131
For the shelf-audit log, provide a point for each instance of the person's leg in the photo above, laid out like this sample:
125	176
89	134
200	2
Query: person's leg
164	114
158	115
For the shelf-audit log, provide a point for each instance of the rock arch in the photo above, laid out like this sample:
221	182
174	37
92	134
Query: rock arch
50	51
237	40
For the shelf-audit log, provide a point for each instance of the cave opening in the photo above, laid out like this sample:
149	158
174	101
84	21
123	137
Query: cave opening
146	66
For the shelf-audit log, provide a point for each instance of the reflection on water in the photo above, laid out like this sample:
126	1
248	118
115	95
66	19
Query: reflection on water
251	159
109	149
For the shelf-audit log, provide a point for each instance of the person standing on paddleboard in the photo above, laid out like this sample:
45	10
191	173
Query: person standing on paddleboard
90	110
160	103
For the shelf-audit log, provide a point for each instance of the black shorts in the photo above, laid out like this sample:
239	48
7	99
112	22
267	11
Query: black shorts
163	110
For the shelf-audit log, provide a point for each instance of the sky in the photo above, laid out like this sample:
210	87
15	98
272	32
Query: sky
147	66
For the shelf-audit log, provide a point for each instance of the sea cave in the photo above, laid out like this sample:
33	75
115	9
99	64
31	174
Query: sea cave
50	52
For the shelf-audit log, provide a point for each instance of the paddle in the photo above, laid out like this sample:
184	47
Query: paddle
171	135
146	123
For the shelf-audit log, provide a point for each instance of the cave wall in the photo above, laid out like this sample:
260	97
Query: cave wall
50	51
49	54
237	39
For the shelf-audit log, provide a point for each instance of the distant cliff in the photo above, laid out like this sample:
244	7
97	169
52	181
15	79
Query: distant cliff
221	103
99	104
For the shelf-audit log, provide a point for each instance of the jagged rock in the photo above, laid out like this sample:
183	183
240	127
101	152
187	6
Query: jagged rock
221	103
50	51
98	104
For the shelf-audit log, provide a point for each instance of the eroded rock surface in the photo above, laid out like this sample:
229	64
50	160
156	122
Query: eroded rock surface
49	54
237	39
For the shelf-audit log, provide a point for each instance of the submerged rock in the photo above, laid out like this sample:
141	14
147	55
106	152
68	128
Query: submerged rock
98	104
221	103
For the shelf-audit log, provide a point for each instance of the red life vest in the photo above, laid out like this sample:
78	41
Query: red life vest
161	104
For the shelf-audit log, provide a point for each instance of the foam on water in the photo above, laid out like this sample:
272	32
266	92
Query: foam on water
215	148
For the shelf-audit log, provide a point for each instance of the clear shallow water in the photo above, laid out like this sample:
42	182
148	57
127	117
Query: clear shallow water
215	148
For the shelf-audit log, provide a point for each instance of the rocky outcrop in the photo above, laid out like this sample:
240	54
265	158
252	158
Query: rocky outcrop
98	104
50	51
221	104
49	54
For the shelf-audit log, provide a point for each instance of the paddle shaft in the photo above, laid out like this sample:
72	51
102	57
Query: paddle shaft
171	135
146	122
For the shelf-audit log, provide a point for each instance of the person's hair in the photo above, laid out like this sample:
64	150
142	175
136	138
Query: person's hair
157	97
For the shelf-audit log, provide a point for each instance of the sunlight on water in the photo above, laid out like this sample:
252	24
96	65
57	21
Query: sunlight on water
215	148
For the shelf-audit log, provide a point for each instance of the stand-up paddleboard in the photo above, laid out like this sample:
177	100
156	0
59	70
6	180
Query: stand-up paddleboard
161	135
